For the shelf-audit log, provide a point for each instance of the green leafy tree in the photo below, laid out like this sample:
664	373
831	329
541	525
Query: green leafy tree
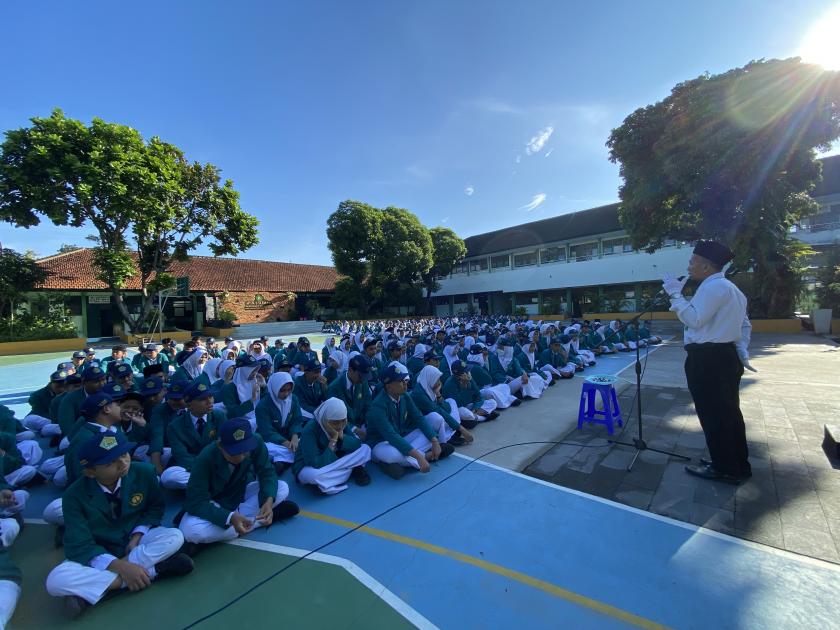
148	204
828	280
448	249
731	156
18	274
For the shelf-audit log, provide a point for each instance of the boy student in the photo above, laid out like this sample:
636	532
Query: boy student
310	387
118	354
38	418
113	538
93	379
10	575
222	502
351	387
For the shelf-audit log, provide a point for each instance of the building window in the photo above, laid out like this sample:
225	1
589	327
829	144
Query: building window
584	251
525	260
460	267
478	264
552	254
617	246
500	262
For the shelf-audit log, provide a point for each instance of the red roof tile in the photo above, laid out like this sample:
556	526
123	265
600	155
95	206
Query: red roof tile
74	271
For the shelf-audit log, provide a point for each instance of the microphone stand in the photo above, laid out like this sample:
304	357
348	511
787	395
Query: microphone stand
639	443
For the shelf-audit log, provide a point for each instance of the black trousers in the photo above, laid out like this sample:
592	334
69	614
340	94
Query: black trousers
714	371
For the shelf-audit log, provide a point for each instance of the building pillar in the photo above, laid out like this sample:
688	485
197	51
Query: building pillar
539	302
84	316
451	305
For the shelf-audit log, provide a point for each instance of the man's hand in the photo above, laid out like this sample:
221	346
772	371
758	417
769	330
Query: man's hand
255	392
524	378
673	285
7	498
266	514
293	443
241	524
133	542
360	432
435	452
745	361
421	459
136	578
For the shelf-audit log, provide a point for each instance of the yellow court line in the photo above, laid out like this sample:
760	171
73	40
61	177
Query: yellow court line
548	587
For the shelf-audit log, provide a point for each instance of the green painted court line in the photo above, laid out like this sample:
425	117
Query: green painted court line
312	595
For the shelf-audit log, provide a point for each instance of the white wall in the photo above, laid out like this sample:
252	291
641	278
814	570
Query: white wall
619	269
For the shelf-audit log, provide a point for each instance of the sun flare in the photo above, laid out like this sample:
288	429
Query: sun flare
822	43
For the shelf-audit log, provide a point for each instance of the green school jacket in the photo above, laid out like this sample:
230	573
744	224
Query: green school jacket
556	360
161	416
40	400
358	402
389	421
233	406
269	423
90	529
427	405
55	404
480	375
185	441
213	480
69	411
309	396
469	396
313	449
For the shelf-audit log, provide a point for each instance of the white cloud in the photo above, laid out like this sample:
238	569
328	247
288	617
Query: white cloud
537	201
445	220
469	191
549	152
518	159
536	144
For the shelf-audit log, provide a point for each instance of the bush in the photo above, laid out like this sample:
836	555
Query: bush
27	327
225	319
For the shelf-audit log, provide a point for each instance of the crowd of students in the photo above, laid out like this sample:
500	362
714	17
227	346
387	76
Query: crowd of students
223	422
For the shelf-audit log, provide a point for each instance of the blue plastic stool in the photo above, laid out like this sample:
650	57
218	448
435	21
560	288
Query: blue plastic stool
587	411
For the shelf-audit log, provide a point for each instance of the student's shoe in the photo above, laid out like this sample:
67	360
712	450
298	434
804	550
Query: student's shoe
709	472
284	510
457	440
74	606
469	425
708	462
37	480
316	490
493	415
280	467
446	450
552	383
360	476
58	539
578	368
592	364
516	402
518	395
174	566
191	549
177	520
394	470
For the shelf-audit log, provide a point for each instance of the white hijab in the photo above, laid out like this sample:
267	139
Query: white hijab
357	340
284	405
419	351
526	350
505	354
450	353
427	378
221	370
477	359
210	369
341	358
244	386
330	409
191	363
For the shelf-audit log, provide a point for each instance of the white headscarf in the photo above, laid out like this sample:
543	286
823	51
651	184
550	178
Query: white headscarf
450	353
345	345
244	387
210	369
427	378
341	358
221	370
469	340
284	405
330	409
357	340
261	355
191	363
505	354
419	351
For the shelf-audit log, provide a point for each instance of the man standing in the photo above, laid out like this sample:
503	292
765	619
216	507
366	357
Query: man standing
717	333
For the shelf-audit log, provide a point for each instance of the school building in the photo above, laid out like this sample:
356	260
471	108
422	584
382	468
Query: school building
582	262
257	291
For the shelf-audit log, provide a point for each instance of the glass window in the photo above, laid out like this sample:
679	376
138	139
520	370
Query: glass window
553	254
584	251
616	246
525	260
499	262
478	264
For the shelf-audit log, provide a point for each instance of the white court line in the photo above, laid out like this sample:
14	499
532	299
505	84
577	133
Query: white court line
378	589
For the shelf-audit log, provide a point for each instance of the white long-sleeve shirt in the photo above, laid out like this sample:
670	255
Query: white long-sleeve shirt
716	314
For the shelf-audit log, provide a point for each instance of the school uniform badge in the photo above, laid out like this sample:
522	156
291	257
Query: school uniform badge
136	499
108	442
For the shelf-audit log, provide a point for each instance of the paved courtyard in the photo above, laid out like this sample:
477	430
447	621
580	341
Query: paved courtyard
793	499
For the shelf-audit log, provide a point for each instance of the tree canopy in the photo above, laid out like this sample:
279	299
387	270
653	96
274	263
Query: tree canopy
732	157
148	204
384	254
18	274
447	250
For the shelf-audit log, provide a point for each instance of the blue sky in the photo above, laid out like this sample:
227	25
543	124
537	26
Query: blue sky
474	115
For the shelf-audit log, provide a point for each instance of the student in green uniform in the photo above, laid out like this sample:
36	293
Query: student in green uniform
191	364
78	359
233	488
118	355
440	413
397	432
479	366
276	349
310	387
242	394
352	388
152	390
38	419
469	404
123	375
161	416
329	452
189	432
645	334
10	575
279	421
303	352
556	360
93	379
113	537
327	350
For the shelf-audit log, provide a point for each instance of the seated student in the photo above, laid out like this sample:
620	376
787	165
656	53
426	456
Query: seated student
18	458
645	334
220	373
587	341
397	432
242	394
470	405
528	360
232	351
122	374
93	379
298	354
279	421
280	354
10	575
372	354
442	415
38	418
277	348
478	363
159	419
113	538
212	347
222	501
168	351
418	361
136	428
335	365
587	356
598	337
505	368
78	358
189	432
329	452
152	391
556	360
351	387
150	355
614	334
328	349
118	355
257	350
310	387
192	362
574	357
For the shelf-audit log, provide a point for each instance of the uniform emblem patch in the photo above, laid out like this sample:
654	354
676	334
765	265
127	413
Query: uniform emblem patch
108	442
239	435
136	499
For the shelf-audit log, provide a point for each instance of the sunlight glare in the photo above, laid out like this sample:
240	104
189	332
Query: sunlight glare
822	43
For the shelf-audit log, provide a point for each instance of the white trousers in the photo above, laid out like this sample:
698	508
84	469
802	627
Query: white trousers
9	530
387	454
175	478
564	372
197	530
535	386
306	414
332	478
25	435
515	384
280	453
72	578
620	346
464	413
31	451
40	424
499	393
21	476
439	425
21	497
54	512
587	355
141	454
9	594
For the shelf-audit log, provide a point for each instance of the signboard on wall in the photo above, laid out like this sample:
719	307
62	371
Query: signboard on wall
259	303
99	299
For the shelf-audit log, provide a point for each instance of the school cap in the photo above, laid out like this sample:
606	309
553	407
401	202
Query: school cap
236	436
228	339
79	354
459	367
89	351
93	404
197	390
246	361
176	390
93	373
120	370
58	377
312	365
395	373
151	370
360	364
65	365
150	346
73	379
151	386
303	340
393	345
278	341
263	339
115	391
103	449
432	354
477	348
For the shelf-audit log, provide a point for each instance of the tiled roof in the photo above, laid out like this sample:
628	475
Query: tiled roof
74	271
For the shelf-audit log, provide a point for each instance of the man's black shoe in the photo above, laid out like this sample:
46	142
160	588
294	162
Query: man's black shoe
191	549
394	471
446	450
280	467
74	606
284	510
708	462
708	472
457	440
174	566
37	480
469	425
516	403
552	383
360	476
493	415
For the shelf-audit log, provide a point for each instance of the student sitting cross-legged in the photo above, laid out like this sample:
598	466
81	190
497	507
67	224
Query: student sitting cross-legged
329	452
113	537
279	421
397	432
222	502
441	414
